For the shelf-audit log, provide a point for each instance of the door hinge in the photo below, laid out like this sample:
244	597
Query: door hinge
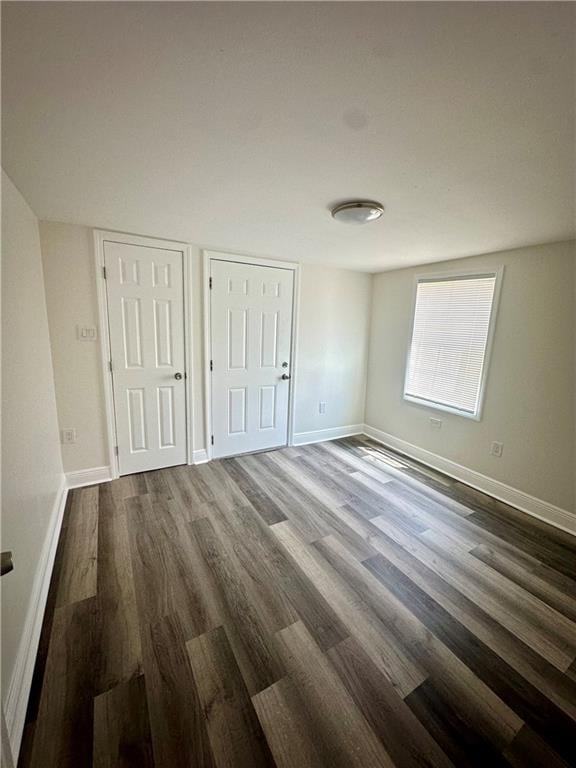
211	365
110	365
212	440
104	273
210	283
116	450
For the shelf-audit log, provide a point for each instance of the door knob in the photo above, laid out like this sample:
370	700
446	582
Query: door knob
285	376
177	376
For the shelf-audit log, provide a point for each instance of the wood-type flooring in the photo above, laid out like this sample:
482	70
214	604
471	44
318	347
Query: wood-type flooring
333	605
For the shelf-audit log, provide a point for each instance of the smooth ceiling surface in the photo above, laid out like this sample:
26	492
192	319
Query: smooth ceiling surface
236	125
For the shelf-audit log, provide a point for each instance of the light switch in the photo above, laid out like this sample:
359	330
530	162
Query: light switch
86	332
68	435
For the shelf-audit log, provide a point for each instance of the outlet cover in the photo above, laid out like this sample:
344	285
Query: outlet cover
497	449
68	436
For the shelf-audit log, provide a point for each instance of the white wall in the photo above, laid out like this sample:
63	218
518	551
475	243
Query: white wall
530	394
332	347
32	474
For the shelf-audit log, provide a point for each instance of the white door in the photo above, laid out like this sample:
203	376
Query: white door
251	321
145	291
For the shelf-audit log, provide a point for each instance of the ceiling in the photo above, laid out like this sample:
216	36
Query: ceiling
237	125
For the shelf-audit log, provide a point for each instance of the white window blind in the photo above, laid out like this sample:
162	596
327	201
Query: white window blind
450	334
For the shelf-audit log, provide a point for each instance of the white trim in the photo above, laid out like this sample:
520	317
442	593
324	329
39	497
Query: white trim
207	257
100	237
321	435
247	259
543	510
92	476
6	760
143	240
207	352
458	275
440	407
21	681
200	456
294	356
105	354
189	351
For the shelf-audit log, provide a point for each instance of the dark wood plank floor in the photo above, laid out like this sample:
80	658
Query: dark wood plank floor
331	605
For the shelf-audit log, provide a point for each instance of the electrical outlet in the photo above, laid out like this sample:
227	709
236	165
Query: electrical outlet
321	407
497	449
68	436
435	423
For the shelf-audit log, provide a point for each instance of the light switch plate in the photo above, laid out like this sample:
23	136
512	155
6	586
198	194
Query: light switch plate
86	333
68	435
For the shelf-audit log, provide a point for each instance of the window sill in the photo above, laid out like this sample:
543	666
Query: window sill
444	408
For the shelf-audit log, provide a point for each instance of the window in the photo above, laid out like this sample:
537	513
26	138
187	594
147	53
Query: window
448	354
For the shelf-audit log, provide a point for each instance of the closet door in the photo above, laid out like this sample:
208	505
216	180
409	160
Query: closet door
145	292
251	322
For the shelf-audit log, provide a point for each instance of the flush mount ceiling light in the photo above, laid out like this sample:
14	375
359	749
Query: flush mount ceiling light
357	211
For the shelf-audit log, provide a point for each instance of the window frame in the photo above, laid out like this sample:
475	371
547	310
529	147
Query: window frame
497	273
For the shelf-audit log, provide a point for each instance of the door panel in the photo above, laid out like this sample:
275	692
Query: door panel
267	408
251	321
163	332
145	293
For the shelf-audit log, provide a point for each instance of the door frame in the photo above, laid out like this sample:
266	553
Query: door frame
207	257
104	236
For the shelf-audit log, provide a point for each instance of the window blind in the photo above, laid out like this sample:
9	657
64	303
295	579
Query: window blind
449	337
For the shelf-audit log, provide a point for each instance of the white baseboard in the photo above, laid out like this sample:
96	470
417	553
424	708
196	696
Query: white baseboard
21	681
320	435
200	457
543	510
83	477
92	476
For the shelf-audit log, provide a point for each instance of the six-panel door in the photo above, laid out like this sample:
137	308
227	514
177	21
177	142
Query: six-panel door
145	294
251	321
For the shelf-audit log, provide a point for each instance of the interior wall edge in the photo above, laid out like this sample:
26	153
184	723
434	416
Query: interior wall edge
21	680
369	332
543	510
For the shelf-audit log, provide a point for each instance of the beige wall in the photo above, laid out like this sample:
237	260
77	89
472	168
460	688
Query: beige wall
68	257
31	465
534	342
69	276
332	348
530	393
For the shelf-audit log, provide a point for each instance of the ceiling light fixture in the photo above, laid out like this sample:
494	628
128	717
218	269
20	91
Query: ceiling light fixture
357	211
